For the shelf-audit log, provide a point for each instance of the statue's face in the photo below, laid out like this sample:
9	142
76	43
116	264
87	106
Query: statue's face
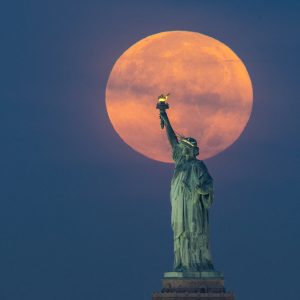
190	148
190	152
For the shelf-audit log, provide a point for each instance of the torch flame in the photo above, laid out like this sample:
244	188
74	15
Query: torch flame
163	98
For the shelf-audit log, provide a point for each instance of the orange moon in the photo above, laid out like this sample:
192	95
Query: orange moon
211	93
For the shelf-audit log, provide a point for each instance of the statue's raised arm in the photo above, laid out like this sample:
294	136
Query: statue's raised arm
164	120
170	132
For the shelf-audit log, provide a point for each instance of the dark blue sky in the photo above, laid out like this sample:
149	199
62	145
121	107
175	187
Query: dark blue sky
83	216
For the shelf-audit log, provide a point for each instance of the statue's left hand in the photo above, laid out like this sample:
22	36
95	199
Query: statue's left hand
201	191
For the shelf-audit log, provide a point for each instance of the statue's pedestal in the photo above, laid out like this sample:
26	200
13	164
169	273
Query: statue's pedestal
193	286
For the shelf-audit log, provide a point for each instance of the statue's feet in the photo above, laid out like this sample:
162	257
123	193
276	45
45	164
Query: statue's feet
208	266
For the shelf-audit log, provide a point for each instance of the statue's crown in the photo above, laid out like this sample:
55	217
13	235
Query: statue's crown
189	141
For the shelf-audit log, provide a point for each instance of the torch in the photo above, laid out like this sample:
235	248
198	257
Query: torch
162	106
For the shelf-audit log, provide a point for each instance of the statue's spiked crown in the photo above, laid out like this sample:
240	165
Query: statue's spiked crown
189	141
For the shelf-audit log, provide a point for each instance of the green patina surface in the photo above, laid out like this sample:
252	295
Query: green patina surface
191	197
204	274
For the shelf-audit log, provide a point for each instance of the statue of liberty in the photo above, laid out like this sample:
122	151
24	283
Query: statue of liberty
191	197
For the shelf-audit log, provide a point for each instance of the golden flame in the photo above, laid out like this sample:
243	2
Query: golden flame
163	98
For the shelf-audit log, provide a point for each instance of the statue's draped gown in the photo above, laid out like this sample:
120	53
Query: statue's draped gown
190	213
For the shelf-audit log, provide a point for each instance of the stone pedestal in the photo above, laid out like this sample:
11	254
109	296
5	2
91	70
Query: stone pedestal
187	286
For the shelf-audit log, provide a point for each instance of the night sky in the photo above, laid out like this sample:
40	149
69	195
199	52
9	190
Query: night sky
82	215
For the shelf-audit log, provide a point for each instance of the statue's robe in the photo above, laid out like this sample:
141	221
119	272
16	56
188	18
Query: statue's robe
190	213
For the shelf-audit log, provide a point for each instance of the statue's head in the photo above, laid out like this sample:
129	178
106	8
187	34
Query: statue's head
190	147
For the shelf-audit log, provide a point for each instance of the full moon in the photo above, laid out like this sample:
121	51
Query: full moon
211	93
